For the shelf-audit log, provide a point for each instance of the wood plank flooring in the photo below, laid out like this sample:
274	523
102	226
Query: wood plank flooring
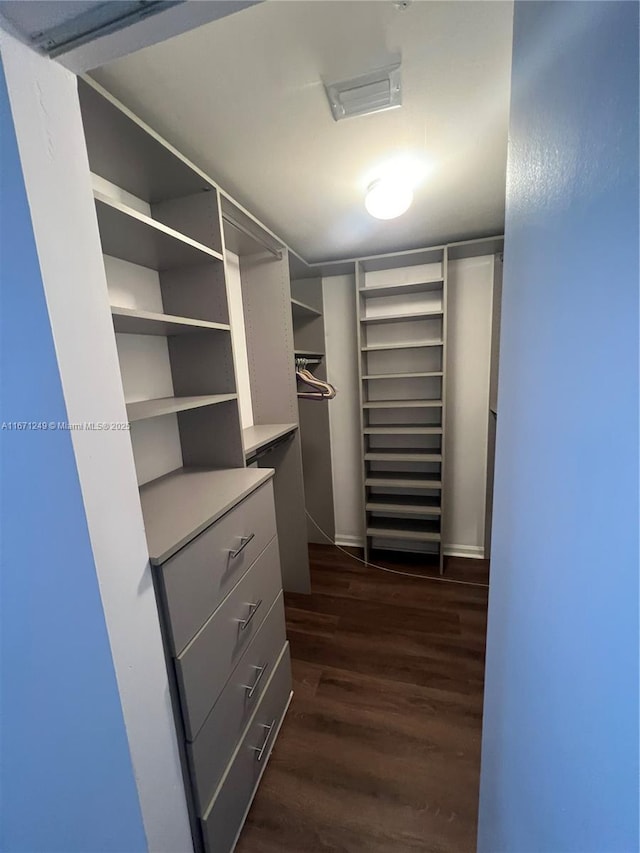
380	750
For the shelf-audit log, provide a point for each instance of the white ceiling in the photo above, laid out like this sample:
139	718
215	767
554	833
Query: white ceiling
243	98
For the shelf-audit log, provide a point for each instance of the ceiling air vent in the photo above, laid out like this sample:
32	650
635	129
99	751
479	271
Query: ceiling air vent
370	93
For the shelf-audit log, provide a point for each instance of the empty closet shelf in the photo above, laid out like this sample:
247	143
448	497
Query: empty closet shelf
134	322
135	237
398	455
431	374
305	353
301	311
179	505
417	531
403	429
388	479
404	504
405	345
145	409
257	437
407	287
402	404
401	318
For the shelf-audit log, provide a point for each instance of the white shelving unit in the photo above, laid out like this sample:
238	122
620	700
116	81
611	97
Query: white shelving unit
402	302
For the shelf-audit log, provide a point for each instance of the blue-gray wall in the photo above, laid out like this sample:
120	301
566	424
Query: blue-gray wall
66	780
560	741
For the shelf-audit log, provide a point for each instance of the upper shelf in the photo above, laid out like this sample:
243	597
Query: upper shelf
402	318
301	311
399	289
258	436
123	150
311	354
144	409
134	322
132	236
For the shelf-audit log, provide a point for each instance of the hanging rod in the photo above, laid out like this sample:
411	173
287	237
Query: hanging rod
277	253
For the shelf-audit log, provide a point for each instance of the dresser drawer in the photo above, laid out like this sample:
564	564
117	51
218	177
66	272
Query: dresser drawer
209	754
225	816
204	667
198	577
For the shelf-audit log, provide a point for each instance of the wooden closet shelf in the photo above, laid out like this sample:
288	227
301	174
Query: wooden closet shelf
407	345
301	311
409	287
403	429
303	353
145	409
135	322
135	237
426	375
404	504
402	480
417	531
403	455
402	404
260	435
402	318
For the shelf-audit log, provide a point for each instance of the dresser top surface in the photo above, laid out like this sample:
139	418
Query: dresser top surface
180	505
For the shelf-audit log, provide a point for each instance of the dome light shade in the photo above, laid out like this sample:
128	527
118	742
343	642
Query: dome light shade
388	198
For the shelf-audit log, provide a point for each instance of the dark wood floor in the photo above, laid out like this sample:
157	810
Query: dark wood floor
380	750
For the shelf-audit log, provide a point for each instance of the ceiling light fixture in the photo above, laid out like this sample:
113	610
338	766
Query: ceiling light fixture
388	198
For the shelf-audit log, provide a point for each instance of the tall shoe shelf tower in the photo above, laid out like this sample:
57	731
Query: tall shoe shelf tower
402	304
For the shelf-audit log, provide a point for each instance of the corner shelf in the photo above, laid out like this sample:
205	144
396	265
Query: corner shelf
135	322
135	237
301	311
145	409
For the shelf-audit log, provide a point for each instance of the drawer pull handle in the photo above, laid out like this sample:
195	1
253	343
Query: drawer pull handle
253	687
260	749
253	609
244	541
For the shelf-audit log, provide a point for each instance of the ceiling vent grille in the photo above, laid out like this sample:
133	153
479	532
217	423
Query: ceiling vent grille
370	93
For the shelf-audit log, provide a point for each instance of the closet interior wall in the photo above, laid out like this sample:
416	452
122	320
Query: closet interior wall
307	310
266	300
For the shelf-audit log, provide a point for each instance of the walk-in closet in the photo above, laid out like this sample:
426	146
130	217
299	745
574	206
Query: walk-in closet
310	384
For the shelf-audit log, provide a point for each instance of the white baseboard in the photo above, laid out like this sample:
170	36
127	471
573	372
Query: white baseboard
346	540
474	552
